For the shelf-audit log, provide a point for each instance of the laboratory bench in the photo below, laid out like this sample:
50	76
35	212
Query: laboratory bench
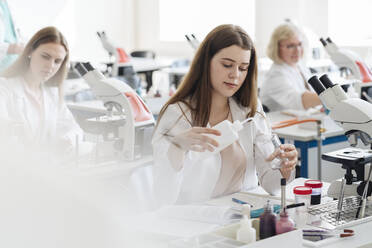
305	139
158	231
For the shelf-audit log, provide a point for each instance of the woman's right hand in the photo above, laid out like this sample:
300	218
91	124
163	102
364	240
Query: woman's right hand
195	139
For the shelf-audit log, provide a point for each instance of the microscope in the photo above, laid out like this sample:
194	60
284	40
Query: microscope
193	41
354	115
347	61
128	116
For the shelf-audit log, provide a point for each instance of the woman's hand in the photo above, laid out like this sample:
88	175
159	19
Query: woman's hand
288	154
289	164
195	139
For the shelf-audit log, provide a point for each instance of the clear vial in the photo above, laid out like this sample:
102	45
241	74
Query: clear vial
277	163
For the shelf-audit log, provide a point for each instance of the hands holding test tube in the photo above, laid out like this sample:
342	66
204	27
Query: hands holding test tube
280	156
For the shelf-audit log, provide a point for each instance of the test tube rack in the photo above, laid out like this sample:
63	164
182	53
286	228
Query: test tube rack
335	219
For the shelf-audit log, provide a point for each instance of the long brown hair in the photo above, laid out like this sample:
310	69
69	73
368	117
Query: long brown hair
22	64
196	89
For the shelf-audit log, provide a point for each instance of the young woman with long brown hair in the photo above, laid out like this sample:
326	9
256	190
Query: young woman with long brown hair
221	84
31	97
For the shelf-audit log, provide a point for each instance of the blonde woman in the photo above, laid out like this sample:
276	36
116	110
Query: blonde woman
285	85
220	85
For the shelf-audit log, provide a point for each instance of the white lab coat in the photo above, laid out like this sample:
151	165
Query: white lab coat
17	115
197	179
283	87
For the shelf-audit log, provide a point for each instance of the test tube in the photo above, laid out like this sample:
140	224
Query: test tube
276	142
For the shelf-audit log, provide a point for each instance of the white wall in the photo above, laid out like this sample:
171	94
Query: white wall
115	17
79	20
147	31
269	14
134	24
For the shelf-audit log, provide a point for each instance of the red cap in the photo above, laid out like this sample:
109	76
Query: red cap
302	190
313	183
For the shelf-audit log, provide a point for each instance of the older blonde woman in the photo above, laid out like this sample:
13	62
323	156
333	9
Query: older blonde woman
285	85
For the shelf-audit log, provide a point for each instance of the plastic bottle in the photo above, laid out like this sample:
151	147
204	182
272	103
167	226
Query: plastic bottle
284	224
267	222
246	233
229	134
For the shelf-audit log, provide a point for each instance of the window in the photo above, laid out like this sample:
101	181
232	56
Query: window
178	18
350	22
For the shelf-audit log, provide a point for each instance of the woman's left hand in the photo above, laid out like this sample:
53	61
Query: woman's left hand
289	152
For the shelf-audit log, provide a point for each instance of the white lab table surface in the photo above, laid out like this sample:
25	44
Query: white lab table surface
306	141
166	232
148	64
295	132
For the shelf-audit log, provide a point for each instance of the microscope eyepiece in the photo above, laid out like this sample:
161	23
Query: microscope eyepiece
88	66
81	69
316	84
326	81
324	43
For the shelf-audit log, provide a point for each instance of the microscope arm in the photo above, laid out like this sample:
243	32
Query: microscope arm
355	117
107	44
347	59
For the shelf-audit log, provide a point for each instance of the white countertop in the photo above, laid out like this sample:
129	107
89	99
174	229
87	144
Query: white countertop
296	132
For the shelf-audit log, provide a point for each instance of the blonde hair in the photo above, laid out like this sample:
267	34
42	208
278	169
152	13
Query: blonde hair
282	32
196	88
22	64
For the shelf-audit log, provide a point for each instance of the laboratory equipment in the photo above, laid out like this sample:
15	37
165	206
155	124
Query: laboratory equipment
316	187
352	160
284	224
276	142
316	235
347	61
117	53
295	205
355	117
283	183
302	194
364	91
229	134
268	144
193	41
327	215
246	233
267	222
352	114
127	115
363	201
